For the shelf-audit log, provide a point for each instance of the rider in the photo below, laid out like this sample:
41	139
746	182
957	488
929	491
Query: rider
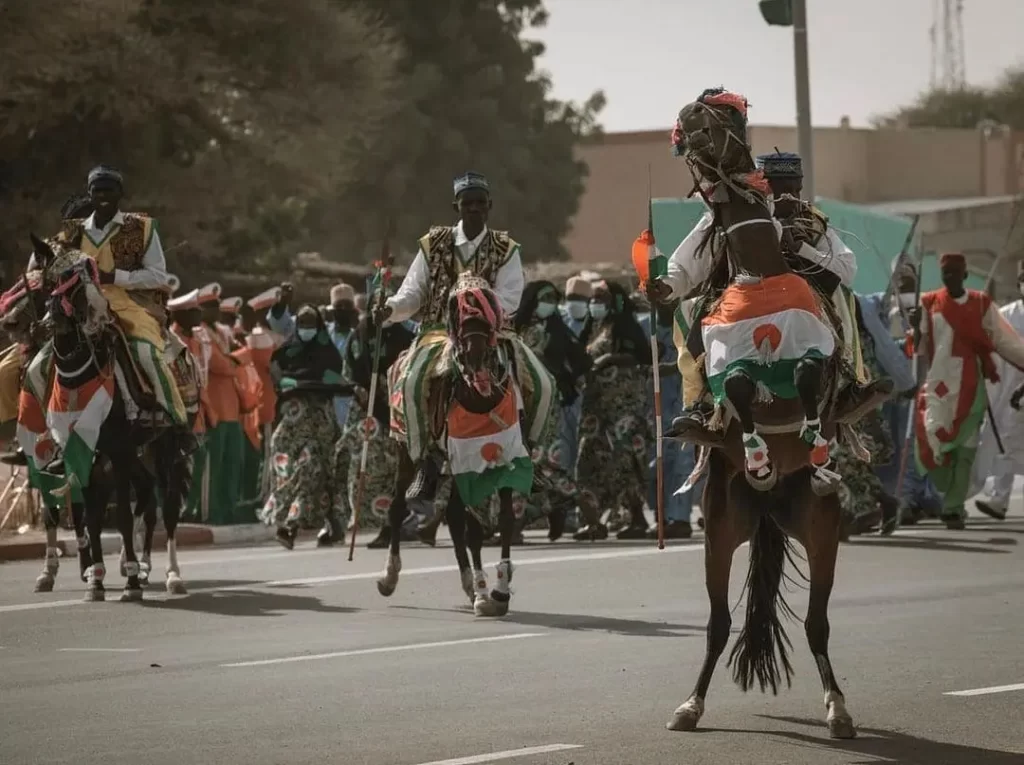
130	257
445	252
826	262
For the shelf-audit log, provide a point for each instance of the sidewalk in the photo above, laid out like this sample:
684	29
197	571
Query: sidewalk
32	544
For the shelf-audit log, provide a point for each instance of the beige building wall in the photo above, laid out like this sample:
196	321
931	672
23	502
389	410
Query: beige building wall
851	164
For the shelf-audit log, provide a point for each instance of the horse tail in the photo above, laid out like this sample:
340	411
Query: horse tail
762	643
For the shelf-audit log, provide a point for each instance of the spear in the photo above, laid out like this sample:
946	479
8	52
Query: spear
651	264
381	277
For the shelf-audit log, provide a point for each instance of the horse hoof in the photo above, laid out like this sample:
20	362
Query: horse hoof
468	585
44	582
131	595
176	586
385	587
841	727
485	606
95	596
686	716
386	584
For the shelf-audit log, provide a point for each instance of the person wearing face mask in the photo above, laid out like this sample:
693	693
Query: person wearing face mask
961	334
544	332
996	471
615	432
307	372
576	309
918	497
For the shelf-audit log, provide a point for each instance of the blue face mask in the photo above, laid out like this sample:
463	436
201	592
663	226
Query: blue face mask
577	309
305	335
598	311
544	310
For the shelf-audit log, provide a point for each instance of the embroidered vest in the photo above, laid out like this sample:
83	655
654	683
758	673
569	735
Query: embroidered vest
445	265
127	243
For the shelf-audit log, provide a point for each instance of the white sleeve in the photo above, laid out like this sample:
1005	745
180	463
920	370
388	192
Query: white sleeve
833	255
687	269
410	296
153	273
1009	344
508	284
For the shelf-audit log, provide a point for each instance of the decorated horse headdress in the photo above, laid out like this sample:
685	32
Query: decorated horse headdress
711	135
474	312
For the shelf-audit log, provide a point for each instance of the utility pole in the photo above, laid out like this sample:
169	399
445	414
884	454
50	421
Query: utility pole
785	13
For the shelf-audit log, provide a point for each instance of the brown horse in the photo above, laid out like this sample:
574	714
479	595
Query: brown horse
770	478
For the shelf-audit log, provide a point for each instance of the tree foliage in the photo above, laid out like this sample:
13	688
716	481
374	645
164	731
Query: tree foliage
256	130
965	108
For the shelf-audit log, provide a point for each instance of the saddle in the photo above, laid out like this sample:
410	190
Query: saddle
140	400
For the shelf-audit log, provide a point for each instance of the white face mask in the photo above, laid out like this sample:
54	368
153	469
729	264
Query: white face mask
305	335
598	311
544	310
907	299
577	309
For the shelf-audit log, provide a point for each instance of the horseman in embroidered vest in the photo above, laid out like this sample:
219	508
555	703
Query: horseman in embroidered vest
133	278
446	252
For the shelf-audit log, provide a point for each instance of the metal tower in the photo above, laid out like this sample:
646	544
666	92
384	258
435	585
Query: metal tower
947	37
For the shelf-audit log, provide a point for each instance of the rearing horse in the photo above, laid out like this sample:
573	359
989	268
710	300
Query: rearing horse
773	367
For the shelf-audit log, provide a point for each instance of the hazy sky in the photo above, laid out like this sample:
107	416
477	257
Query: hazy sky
866	56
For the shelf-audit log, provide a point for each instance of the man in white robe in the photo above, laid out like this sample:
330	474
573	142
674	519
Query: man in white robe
995	470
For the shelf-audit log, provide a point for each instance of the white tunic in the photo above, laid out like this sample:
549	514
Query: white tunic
688	267
415	289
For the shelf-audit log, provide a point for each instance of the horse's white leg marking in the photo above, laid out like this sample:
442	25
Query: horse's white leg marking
687	715
838	719
94	576
386	584
175	585
51	563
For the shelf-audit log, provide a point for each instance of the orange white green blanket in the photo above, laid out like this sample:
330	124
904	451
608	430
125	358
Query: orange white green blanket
765	329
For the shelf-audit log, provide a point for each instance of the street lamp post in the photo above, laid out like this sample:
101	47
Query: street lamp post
785	13
805	134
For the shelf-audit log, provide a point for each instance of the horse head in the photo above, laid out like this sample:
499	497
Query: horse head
474	320
76	302
711	135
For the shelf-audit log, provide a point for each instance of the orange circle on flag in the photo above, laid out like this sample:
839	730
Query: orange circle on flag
491	452
768	332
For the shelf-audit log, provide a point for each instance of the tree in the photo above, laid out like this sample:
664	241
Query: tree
965	108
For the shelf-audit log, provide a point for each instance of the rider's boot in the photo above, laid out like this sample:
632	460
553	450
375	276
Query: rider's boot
16	458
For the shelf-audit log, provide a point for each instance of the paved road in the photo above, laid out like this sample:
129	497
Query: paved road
603	642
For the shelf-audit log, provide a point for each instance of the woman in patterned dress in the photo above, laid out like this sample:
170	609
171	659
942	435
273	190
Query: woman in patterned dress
307	373
542	329
611	469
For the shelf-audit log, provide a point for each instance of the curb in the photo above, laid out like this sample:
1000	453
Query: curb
189	535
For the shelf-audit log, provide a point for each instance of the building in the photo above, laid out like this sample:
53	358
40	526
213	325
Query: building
962	182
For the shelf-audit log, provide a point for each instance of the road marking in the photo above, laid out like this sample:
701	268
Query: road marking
987	691
508	754
385	649
364	575
98	650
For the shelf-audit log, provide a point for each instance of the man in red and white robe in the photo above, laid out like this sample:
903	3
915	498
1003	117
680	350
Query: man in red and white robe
960	329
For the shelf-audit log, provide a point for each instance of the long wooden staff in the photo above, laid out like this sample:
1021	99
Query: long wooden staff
382	277
650	264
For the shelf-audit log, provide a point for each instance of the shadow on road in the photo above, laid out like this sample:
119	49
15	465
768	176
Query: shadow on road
938	544
582	622
247	603
879	747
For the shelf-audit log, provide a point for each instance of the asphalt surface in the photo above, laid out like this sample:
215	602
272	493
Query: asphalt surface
603	641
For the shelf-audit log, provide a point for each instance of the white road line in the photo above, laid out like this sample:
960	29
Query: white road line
364	575
508	754
987	691
98	650
385	649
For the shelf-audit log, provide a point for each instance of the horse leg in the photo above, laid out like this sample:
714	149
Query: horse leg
817	528
498	602
96	496
807	379
726	527
741	391
475	543
177	479
456	512
51	562
126	527
82	538
396	516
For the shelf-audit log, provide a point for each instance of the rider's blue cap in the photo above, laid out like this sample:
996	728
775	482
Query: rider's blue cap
469	181
780	164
